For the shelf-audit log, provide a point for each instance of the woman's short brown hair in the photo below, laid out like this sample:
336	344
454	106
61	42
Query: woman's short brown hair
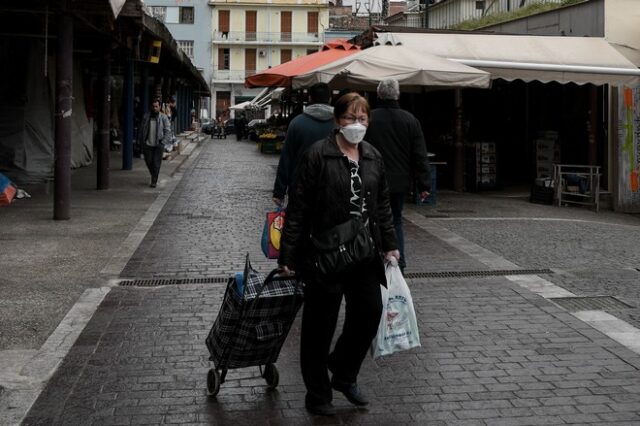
343	104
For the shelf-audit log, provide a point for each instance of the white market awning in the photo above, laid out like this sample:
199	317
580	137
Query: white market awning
365	69
579	60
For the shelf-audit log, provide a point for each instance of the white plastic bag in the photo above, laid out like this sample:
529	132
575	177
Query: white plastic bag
398	329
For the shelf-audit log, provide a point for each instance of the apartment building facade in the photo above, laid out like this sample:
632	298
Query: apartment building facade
249	36
189	22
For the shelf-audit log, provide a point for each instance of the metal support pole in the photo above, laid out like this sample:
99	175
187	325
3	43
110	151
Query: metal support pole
144	83
105	123
458	161
592	125
179	120
127	99
63	111
426	13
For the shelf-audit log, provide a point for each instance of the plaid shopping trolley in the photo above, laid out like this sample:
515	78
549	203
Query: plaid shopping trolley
252	325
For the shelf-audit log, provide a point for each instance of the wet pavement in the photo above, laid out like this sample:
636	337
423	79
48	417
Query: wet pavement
486	271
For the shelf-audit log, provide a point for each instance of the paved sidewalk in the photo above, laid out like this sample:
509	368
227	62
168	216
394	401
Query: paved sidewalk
497	347
54	272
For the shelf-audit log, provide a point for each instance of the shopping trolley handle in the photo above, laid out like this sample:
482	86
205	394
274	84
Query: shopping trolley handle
272	277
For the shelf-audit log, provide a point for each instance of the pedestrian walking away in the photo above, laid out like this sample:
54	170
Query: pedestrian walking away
398	136
155	133
314	124
339	179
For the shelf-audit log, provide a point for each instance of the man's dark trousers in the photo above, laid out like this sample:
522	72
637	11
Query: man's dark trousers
396	199
153	159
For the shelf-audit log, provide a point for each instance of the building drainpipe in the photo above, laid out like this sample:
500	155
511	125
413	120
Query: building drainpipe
105	122
64	93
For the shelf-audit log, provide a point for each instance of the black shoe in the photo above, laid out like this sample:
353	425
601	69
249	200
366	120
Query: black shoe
326	409
152	185
351	391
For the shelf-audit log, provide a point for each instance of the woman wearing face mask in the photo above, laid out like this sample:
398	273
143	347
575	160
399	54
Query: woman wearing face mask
338	177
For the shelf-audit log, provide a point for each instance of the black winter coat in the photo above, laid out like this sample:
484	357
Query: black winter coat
397	134
319	200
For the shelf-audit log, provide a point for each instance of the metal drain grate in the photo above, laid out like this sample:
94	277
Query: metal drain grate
590	303
483	273
156	282
455	211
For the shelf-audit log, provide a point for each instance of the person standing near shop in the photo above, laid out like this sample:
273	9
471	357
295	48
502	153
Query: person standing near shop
397	134
338	178
154	134
314	124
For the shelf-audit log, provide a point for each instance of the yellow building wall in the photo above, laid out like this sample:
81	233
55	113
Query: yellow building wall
268	21
268	18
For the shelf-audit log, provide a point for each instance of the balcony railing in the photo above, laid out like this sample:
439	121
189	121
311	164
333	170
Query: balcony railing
266	37
235	75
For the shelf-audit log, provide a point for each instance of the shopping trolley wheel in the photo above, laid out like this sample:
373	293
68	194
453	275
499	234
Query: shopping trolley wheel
271	376
213	382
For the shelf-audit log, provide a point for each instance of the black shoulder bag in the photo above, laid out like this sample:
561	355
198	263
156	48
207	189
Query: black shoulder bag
343	245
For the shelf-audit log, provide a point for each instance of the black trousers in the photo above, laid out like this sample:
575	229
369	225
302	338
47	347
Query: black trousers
153	159
363	309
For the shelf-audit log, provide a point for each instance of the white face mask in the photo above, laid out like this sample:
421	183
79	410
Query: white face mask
354	133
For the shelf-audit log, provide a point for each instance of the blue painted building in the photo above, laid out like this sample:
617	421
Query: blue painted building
189	22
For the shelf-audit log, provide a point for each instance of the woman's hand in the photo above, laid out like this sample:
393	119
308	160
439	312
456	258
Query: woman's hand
393	253
286	272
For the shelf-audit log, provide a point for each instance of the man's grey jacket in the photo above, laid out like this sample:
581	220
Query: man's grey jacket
163	130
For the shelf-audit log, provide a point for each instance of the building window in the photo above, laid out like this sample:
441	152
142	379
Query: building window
250	61
285	55
223	59
285	25
312	22
159	12
251	24
223	22
172	15
187	47
186	15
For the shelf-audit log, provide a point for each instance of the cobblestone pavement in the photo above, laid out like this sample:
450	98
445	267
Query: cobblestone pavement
592	254
214	217
493	353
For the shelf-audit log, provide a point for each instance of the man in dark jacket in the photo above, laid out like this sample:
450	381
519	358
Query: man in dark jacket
314	124
154	134
398	136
